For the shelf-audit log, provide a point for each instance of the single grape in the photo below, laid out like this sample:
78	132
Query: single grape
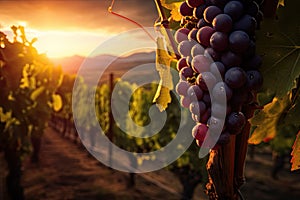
239	42
235	77
252	9
189	61
212	54
192	36
219	3
206	81
195	93
234	9
235	122
210	13
218	110
184	48
216	125
221	92
201	63
197	107
230	59
219	41
181	35
185	10
199	132
202	23
196	118
197	49
194	3
185	101
206	99
185	73
222	23
181	63
182	88
246	23
224	138
204	34
206	115
250	52
254	80
253	63
198	12
217	69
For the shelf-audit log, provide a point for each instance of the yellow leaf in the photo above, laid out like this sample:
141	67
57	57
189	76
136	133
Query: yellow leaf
57	102
174	7
163	60
296	154
34	95
280	3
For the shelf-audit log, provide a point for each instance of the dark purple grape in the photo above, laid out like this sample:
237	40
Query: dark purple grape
215	124
194	3
239	42
192	37
182	88
199	132
218	110
253	63
252	9
189	61
246	23
185	101
221	91
181	35
219	3
184	48
198	12
201	63
238	98
234	9
219	41
212	54
210	13
206	98
250	52
185	73
197	49
224	138
235	77
197	107
206	115
204	34
217	69
222	23
206	81
202	23
235	122
181	63
195	93
185	10
254	80
230	59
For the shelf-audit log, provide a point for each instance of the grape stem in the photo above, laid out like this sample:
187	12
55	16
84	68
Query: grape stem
110	10
165	23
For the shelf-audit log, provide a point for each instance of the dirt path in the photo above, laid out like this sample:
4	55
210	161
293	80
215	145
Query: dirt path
68	172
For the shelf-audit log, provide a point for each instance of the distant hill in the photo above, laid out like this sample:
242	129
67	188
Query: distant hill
108	64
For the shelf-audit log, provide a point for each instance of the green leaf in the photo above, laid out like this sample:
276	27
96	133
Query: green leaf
173	6
296	154
278	42
163	60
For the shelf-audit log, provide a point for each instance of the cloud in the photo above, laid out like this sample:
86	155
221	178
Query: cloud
73	14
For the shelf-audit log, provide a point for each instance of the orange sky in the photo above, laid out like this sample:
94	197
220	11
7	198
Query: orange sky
69	27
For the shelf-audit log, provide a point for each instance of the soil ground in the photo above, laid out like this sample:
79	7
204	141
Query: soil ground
67	172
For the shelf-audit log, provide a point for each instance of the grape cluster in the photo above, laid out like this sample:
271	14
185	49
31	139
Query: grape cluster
218	63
